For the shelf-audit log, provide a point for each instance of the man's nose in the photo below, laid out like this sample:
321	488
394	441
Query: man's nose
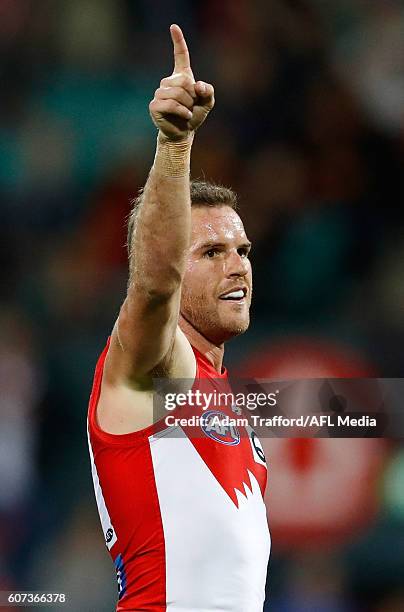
236	265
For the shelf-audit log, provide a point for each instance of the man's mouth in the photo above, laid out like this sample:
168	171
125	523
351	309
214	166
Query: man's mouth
236	294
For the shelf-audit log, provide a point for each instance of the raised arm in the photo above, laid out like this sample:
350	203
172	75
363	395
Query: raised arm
145	331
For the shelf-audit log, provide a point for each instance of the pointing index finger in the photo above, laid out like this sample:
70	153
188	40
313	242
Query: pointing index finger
181	54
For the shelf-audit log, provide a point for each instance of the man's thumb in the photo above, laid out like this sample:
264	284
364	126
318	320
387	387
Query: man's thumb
206	92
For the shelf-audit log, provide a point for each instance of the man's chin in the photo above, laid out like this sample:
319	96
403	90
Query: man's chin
233	328
219	329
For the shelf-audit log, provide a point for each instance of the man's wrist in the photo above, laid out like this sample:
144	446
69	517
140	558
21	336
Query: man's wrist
173	157
188	137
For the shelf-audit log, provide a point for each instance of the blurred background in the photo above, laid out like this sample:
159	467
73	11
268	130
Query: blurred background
309	129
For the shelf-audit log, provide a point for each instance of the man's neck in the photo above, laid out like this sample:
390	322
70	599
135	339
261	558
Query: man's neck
211	351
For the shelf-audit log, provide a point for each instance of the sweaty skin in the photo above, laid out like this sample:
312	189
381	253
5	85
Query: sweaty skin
217	262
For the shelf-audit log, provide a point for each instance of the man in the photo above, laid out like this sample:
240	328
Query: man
183	515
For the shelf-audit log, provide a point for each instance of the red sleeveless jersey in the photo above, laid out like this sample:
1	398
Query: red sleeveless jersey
182	509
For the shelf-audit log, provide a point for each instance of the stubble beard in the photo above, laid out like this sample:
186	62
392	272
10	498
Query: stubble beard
207	322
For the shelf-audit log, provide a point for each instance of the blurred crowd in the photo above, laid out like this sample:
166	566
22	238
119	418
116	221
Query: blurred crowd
309	130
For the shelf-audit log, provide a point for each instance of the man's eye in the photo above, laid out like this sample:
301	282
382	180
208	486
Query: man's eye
211	253
243	252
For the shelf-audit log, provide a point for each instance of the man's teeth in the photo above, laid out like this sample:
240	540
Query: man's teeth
234	295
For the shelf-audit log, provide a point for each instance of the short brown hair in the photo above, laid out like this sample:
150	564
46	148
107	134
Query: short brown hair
202	193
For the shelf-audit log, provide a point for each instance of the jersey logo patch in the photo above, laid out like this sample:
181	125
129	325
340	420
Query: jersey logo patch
218	426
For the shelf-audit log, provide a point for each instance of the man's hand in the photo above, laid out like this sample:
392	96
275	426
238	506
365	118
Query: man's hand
180	105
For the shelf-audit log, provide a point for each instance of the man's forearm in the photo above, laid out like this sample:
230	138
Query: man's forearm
162	229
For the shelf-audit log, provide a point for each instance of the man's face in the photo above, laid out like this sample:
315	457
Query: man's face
217	286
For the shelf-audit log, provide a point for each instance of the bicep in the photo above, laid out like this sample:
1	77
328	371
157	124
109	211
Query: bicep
145	332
